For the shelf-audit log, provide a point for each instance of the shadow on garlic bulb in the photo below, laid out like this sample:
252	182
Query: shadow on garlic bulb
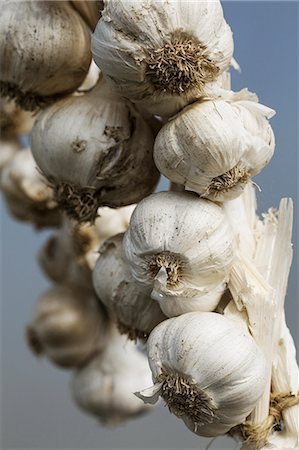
105	386
68	326
66	256
214	147
133	310
162	57
90	11
182	248
55	47
105	158
209	371
26	193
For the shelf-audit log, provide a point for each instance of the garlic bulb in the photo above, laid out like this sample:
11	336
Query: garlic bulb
215	147
111	221
135	313
104	159
65	257
68	326
43	57
162	53
13	120
209	371
26	193
182	247
105	387
89	10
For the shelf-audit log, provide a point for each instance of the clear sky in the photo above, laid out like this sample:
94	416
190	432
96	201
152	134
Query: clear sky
36	407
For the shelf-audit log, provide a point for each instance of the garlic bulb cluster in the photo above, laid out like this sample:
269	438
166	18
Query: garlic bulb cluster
182	248
208	370
162	53
43	57
214	147
105	387
68	326
26	193
135	313
104	159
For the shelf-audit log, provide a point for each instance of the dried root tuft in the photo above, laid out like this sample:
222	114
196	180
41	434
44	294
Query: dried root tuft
29	101
180	65
132	333
172	264
79	204
185	398
227	181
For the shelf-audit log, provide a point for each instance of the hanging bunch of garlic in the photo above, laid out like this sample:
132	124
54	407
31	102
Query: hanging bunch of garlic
44	57
162	54
105	158
194	274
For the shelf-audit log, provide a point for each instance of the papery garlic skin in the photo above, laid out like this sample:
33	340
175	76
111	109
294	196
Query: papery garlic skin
162	53
111	221
209	371
135	313
68	326
26	193
55	48
104	159
179	245
214	147
13	120
105	387
66	256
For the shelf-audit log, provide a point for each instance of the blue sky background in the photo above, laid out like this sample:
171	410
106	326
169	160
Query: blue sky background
36	407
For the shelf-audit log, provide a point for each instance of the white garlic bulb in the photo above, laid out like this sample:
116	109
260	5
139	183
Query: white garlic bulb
104	159
209	371
135	313
65	257
162	53
105	387
55	47
26	193
111	221
214	147
68	326
182	247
